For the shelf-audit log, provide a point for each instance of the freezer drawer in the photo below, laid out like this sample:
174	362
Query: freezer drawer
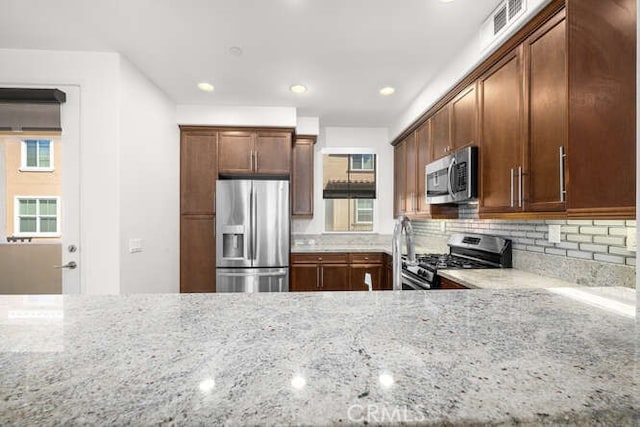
252	280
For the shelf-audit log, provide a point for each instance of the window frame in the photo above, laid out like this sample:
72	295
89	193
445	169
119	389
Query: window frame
23	156
38	216
352	168
350	150
358	209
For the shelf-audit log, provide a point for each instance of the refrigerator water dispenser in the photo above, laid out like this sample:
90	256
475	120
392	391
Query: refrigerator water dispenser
233	242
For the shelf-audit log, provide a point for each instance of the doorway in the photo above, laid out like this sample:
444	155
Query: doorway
40	206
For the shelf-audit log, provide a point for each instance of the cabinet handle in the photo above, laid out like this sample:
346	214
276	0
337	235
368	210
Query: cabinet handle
512	187
519	186
563	190
256	157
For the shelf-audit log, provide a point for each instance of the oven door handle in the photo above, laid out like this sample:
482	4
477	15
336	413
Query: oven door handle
413	283
449	184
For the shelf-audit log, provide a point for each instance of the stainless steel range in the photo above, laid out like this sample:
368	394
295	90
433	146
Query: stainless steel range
465	251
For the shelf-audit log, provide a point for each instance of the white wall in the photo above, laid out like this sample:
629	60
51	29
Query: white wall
466	60
374	138
149	185
236	116
96	74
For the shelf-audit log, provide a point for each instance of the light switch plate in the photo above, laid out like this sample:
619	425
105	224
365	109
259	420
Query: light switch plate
135	245
632	240
443	226
554	233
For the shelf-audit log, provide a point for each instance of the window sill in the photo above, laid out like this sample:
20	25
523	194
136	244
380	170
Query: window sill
38	235
36	169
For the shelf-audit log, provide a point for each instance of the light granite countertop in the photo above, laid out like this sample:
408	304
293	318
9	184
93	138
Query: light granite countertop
469	357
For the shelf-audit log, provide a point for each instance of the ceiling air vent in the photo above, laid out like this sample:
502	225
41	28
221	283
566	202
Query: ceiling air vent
515	7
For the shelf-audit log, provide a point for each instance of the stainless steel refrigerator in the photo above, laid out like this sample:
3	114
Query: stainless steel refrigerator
252	236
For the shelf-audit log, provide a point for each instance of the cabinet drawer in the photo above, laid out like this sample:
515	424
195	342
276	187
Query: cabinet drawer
320	257
366	258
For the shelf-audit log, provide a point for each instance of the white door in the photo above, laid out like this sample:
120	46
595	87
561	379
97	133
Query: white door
40	206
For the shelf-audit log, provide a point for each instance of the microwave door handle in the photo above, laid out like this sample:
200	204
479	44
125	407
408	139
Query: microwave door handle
449	185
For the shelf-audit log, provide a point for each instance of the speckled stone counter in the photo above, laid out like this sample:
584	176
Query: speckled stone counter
460	357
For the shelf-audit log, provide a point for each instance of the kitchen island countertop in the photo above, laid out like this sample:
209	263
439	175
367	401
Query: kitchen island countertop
461	357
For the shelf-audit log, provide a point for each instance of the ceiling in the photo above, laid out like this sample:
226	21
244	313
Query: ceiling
344	51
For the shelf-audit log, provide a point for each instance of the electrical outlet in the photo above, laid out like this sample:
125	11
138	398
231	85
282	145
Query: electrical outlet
443	226
135	245
554	233
632	241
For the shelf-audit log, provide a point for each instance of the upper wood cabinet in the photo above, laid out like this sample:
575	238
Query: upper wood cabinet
545	71
198	171
423	146
399	180
302	176
441	132
410	175
254	152
601	157
501	123
464	119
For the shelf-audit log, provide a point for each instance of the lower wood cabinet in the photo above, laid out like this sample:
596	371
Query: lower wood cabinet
450	284
197	253
388	271
331	271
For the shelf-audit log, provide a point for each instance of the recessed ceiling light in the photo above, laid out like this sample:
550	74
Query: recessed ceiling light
298	89
235	50
386	91
207	87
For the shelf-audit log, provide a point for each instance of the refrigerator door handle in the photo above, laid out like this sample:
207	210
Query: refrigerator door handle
254	222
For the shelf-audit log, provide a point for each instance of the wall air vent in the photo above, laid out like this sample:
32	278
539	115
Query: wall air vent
507	12
500	19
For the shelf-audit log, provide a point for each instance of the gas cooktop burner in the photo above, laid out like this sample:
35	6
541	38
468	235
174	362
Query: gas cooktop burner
447	261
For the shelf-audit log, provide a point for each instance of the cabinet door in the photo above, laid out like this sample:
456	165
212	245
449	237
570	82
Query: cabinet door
235	152
501	111
464	118
197	254
302	178
601	159
546	78
441	133
358	273
198	172
399	180
305	277
423	147
273	153
334	277
411	178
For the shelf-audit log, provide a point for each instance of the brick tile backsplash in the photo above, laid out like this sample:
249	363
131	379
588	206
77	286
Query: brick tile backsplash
597	240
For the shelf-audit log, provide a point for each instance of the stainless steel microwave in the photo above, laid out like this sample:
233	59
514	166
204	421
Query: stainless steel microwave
454	178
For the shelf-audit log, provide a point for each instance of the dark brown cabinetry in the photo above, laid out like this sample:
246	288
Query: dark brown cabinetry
302	176
410	176
501	123
197	253
399	180
450	284
388	271
556	115
362	264
601	157
319	272
254	152
198	174
464	119
329	271
546	98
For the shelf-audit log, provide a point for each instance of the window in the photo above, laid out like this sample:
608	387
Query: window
362	162
349	191
37	216
364	211
37	155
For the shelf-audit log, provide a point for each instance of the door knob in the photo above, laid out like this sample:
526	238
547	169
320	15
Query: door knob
70	265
